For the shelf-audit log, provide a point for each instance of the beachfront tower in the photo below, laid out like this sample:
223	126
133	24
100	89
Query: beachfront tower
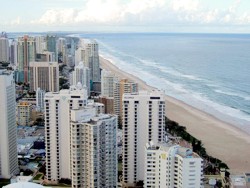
121	87
170	166
8	136
108	80
143	121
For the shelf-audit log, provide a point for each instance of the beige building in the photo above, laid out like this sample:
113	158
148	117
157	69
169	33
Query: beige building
121	87
108	104
44	75
23	113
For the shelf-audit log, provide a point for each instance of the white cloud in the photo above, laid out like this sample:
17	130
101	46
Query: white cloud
16	21
144	12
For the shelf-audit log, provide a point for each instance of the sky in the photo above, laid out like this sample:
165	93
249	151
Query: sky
194	16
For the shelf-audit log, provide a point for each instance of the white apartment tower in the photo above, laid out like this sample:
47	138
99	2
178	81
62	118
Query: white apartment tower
4	49
169	166
108	80
58	107
93	149
143	121
40	100
8	137
81	74
44	75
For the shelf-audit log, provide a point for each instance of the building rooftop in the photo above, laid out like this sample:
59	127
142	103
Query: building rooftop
23	185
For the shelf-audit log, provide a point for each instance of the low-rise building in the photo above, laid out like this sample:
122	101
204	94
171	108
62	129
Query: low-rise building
23	113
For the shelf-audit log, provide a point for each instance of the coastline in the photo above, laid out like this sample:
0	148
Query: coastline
221	140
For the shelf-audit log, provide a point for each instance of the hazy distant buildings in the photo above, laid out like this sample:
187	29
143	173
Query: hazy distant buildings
4	49
40	44
108	80
62	50
172	166
44	75
40	100
8	135
52	45
93	149
26	53
143	121
88	53
13	52
81	74
23	113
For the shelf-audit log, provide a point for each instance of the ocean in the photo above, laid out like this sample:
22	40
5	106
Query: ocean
208	71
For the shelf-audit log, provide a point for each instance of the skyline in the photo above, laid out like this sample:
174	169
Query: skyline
191	16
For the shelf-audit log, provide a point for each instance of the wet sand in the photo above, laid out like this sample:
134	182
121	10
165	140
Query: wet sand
221	140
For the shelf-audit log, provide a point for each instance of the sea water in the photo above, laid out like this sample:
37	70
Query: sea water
208	71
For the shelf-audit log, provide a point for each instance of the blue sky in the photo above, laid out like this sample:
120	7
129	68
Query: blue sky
228	16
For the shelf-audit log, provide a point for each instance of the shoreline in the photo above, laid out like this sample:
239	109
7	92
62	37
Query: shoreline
221	139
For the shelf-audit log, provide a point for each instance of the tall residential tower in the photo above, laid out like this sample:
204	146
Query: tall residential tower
143	121
26	52
8	136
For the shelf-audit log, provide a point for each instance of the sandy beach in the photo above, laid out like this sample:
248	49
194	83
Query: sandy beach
221	140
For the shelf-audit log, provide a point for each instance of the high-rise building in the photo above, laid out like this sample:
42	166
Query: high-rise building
93	149
81	74
108	80
40	44
61	44
121	87
81	56
4	49
26	53
57	110
168	165
13	52
52	45
46	56
62	50
89	55
108	104
23	113
143	121
44	75
8	137
40	100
